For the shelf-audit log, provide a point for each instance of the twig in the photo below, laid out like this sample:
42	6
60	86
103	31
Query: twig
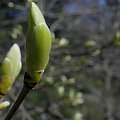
25	90
19	100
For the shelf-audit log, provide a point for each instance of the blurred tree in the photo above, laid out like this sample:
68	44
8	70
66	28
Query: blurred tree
113	2
82	80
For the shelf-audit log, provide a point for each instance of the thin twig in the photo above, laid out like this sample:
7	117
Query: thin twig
25	90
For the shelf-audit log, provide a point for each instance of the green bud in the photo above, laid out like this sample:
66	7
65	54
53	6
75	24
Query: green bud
116	41
89	44
4	105
10	68
38	45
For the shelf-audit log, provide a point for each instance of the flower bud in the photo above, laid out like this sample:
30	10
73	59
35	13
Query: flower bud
38	45
10	69
4	105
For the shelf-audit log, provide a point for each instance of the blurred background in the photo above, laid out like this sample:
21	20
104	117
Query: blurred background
82	80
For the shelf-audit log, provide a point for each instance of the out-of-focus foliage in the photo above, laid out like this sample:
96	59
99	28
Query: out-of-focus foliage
82	80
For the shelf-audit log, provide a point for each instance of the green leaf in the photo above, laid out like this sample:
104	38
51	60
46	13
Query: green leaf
6	67
15	57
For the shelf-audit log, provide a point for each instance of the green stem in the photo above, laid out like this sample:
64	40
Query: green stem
25	90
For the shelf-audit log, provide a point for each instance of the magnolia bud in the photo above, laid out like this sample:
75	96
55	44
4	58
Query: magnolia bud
10	69
38	45
4	105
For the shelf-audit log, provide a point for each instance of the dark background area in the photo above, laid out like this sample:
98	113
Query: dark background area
82	80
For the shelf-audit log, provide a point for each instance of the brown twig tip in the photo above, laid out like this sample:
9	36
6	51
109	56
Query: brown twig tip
27	81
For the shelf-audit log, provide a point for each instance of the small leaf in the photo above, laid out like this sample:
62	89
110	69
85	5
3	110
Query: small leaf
6	66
